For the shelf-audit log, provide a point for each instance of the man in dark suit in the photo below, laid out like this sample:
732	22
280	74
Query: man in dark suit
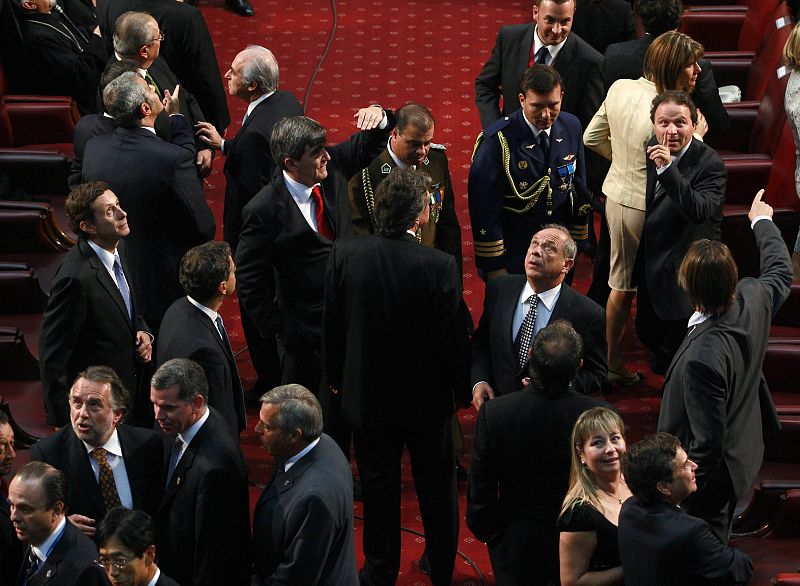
106	463
527	171
659	543
499	360
92	316
685	191
57	553
126	540
187	48
288	231
67	60
710	400
411	146
203	522
92	125
249	166
603	22
157	184
10	546
193	328
626	61
520	462
399	371
303	522
137	36
549	41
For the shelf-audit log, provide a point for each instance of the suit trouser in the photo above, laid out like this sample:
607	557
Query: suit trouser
715	503
662	337
378	454
525	554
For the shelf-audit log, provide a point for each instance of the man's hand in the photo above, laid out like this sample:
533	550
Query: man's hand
481	393
759	208
368	118
85	524
659	153
172	101
495	273
204	162
206	132
144	347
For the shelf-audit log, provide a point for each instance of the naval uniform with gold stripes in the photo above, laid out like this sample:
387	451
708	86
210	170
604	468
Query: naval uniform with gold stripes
514	189
442	230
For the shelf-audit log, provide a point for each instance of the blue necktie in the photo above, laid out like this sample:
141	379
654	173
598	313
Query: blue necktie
174	456
123	286
542	55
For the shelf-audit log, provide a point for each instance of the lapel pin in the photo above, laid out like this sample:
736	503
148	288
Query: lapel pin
426	161
49	573
529	146
559	139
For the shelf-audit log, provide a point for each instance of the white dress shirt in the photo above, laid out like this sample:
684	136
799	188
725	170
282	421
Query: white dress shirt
117	464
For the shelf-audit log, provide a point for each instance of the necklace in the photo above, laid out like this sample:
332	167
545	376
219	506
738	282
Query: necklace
613	496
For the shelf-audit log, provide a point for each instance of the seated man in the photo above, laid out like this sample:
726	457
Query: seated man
659	543
67	60
127	549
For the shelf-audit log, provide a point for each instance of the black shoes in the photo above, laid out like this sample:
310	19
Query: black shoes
240	7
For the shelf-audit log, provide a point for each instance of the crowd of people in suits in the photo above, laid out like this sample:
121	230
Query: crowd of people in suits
347	263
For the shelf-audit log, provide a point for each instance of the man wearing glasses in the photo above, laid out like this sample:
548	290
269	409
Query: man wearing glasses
127	549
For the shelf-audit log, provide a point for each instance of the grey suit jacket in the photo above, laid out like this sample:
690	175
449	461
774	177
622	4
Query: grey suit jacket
715	397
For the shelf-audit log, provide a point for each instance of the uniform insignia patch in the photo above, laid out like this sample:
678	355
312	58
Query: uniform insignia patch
559	139
386	168
426	161
522	164
529	146
523	185
569	157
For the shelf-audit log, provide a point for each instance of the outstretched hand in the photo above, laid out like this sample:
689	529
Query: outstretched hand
759	207
368	118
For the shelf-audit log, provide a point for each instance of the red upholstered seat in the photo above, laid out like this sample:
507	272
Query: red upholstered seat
732	28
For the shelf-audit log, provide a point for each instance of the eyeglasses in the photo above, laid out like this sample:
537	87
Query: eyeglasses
116	563
160	37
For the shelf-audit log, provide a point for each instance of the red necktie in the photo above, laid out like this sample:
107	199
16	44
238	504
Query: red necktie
323	227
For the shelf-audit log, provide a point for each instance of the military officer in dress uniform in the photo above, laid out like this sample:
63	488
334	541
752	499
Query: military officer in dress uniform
527	171
410	144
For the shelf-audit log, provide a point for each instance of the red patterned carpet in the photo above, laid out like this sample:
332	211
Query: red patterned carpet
389	53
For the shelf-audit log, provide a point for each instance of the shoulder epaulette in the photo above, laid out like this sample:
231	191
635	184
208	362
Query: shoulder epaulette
438	147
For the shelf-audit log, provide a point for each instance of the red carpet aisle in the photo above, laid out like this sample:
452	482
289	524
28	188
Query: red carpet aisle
389	53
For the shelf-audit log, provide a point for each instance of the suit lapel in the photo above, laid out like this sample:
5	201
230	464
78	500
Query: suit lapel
101	273
506	314
206	322
563	307
687	341
82	471
652	176
184	465
528	145
523	54
564	61
256	111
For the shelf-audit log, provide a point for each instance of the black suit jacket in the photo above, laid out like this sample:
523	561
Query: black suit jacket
187	48
303	522
493	357
157	185
276	237
166	79
603	23
71	563
187	332
86	323
513	477
626	61
577	62
689	210
142	451
394	340
661	545
164	580
87	127
203	522
10	546
710	401
249	165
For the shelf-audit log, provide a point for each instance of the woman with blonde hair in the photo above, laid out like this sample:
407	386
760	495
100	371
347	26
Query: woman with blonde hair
588	550
791	103
619	131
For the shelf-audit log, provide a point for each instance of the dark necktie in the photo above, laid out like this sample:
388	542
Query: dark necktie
149	79
174	456
522	343
544	144
108	488
122	283
32	564
323	227
224	334
542	55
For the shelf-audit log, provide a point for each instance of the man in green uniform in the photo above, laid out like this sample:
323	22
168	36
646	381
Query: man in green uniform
410	144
